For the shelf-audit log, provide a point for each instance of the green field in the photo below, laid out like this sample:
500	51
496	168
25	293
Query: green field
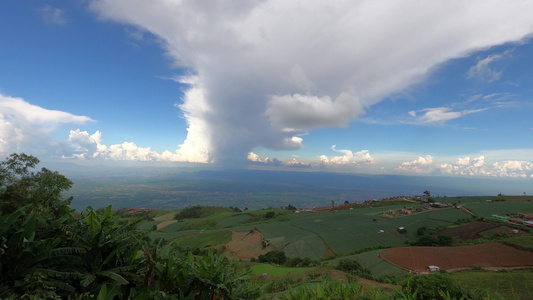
203	239
513	285
379	267
348	231
260	269
522	241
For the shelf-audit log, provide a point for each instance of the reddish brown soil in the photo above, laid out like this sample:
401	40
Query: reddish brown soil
245	245
489	256
469	231
476	230
328	252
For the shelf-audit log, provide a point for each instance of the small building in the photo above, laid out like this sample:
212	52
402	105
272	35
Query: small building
525	216
433	268
381	231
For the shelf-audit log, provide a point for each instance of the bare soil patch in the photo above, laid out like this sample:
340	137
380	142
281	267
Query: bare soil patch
489	256
165	217
165	224
328	252
245	245
469	231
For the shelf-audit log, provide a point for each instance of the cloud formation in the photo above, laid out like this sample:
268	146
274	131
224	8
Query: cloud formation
470	166
90	146
53	15
27	127
266	72
424	164
348	158
482	71
294	163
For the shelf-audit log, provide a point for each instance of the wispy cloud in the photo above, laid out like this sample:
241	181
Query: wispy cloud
474	104
53	15
482	71
441	114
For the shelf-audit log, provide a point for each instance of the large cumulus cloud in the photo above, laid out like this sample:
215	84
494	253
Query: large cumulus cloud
266	72
27	127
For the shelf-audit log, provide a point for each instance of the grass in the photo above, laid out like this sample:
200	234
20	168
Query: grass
203	240
513	285
165	217
522	241
278	271
379	267
486	210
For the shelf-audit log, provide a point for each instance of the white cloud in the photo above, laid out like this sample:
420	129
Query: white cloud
52	15
27	127
305	112
482	71
256	160
470	166
441	114
265	66
90	146
423	164
348	157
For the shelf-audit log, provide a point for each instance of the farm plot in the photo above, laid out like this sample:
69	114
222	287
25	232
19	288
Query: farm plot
166	217
245	245
233	220
491	255
370	260
278	271
203	239
469	231
169	236
516	284
354	230
486	210
296	242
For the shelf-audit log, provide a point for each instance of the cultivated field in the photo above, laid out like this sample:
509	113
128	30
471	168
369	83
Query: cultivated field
246	245
514	285
476	230
489	256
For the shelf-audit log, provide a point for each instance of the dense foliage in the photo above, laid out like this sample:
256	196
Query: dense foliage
193	212
48	251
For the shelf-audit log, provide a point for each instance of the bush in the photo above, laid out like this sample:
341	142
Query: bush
193	212
273	257
349	265
270	215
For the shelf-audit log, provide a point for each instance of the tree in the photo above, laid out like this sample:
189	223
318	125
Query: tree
290	207
20	186
270	214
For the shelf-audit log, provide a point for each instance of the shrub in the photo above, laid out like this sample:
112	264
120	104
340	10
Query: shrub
193	212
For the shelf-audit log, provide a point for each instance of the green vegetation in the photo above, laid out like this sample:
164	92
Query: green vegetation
203	240
272	270
515	285
521	241
48	251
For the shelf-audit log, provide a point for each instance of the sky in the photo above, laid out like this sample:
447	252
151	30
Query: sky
388	87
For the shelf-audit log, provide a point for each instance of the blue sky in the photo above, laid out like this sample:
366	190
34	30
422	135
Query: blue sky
440	88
